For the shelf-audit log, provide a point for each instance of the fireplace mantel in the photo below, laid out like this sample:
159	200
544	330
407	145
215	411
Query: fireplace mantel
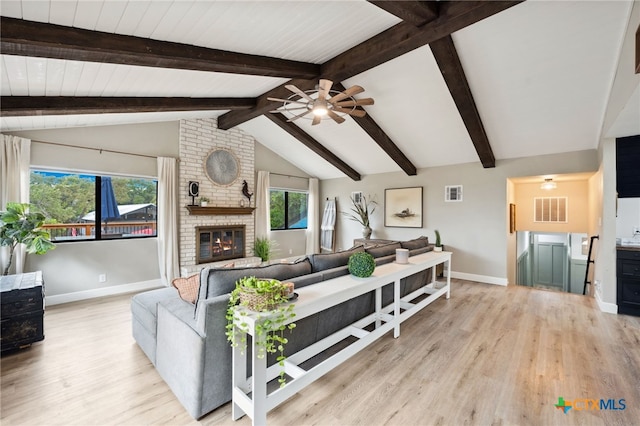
201	211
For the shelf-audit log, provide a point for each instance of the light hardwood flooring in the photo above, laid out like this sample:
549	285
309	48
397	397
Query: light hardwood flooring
489	356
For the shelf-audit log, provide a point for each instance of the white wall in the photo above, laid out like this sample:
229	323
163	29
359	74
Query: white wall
476	230
289	242
628	217
71	270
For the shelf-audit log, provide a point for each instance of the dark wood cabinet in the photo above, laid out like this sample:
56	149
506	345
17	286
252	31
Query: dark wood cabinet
627	169
628	272
21	310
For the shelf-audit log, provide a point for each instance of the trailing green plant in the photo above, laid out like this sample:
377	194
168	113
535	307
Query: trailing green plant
272	316
361	264
361	210
21	224
438	241
263	248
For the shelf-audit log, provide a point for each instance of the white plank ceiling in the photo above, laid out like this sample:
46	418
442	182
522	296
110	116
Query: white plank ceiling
540	74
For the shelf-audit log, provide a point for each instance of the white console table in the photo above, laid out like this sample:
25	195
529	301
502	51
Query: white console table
250	395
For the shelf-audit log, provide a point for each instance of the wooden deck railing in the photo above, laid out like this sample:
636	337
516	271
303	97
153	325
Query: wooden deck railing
70	231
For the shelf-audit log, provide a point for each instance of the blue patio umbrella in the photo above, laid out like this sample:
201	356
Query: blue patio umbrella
109	210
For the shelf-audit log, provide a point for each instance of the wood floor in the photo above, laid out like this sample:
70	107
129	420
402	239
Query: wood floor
489	356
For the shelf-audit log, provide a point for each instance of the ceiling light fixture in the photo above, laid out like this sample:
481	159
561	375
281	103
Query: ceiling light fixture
322	103
548	184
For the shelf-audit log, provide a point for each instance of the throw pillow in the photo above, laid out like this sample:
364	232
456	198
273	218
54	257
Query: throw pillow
188	287
415	243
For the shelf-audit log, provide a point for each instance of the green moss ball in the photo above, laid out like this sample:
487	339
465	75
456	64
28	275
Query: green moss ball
361	264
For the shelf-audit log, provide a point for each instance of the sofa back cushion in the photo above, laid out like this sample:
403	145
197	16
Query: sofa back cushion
416	243
223	281
321	262
383	250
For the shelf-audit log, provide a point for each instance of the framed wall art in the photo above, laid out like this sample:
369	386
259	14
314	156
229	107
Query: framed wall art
403	207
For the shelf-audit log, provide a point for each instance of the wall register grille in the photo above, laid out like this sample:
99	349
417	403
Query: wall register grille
453	193
550	209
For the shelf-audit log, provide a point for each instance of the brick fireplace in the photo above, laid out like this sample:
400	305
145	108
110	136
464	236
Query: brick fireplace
198	138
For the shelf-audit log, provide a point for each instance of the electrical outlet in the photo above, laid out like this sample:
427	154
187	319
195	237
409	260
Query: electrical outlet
102	278
290	251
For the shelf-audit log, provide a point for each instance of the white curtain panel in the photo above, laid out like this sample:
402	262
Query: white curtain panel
263	217
313	208
168	244
328	226
15	159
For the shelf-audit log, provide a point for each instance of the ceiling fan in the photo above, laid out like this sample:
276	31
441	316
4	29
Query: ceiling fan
323	102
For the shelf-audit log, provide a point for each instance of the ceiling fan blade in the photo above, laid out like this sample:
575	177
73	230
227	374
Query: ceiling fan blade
355	112
298	92
295	117
323	89
357	102
316	120
287	101
335	117
351	91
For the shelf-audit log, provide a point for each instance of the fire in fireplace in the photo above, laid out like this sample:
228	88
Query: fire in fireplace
215	243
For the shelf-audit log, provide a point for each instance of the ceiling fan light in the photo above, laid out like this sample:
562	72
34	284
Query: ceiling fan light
320	110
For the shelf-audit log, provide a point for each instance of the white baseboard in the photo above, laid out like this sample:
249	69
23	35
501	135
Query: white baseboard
610	308
480	278
103	291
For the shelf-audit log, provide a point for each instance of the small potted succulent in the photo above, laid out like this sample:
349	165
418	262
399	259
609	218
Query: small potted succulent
361	264
268	298
438	246
204	201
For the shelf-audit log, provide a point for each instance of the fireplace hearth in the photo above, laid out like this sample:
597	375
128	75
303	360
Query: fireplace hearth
215	243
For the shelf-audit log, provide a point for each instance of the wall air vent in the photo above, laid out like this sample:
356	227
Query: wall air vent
550	209
453	193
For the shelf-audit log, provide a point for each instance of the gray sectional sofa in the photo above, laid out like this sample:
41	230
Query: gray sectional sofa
187	343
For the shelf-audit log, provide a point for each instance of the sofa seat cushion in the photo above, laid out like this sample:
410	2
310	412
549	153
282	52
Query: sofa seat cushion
144	306
321	262
384	249
417	243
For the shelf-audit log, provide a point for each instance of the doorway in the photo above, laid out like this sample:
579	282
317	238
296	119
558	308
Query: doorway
552	261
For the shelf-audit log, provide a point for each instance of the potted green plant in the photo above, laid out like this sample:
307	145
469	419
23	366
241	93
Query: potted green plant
438	246
268	299
263	248
204	201
361	264
360	213
21	224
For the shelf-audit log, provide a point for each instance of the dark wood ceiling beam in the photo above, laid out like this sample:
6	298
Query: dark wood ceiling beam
394	42
403	38
368	124
448	61
26	38
414	12
313	145
14	106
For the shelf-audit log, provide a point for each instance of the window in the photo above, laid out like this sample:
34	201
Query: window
288	209
125	207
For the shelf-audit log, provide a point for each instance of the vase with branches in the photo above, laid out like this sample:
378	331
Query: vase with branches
360	212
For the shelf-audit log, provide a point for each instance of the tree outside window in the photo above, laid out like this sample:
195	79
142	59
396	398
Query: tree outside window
288	209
